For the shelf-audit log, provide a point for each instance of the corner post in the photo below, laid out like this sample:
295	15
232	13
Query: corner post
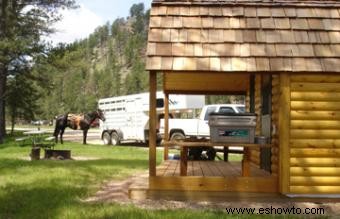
284	133
166	125
152	123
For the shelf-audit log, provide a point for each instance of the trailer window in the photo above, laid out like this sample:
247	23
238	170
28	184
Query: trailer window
160	103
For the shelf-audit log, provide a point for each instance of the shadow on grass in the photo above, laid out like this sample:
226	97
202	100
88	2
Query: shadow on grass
47	188
15	164
36	201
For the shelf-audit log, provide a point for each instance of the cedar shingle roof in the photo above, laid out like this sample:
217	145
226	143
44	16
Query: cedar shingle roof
244	35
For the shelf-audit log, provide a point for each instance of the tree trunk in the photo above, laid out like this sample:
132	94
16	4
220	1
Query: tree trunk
2	103
3	72
13	117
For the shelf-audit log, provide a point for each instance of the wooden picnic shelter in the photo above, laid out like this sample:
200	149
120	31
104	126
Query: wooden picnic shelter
284	55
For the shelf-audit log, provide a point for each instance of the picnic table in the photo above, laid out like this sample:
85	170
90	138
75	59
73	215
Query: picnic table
184	146
34	136
37	139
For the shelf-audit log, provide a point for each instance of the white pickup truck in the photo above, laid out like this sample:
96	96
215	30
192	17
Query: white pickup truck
198	128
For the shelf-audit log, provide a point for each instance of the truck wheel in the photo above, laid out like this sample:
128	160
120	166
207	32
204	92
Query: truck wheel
115	139
106	138
177	136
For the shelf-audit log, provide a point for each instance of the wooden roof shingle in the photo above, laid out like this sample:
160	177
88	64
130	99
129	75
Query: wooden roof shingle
244	35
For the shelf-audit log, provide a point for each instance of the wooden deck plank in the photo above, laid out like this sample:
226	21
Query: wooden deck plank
205	168
208	168
171	168
176	170
231	168
197	169
190	168
161	169
214	169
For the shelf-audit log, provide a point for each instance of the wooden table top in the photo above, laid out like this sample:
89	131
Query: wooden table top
211	144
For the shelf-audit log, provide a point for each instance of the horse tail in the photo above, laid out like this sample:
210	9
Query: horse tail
60	122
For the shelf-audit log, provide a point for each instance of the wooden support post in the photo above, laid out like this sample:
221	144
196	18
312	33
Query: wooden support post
284	133
252	94
225	153
184	161
166	125
246	162
152	124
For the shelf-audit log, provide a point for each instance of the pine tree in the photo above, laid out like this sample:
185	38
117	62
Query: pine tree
21	25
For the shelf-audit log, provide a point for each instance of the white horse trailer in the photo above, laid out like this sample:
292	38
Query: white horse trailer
127	117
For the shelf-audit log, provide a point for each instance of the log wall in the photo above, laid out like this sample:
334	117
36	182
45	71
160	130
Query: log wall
314	134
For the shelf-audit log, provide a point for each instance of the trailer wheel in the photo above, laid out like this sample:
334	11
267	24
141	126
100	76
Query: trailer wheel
106	138
115	139
177	136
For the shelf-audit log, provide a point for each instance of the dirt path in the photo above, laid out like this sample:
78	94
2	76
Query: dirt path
117	192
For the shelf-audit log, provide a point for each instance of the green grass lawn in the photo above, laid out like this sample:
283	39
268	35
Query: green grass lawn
54	189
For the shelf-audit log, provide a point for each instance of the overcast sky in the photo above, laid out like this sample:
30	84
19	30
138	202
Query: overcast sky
78	24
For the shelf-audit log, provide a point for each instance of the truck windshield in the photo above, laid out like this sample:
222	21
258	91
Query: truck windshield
209	110
241	109
226	110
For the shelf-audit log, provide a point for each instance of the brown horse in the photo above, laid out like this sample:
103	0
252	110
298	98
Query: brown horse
76	122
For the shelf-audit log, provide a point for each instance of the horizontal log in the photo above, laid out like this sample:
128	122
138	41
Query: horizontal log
315	171
274	168
315	124
315	96
314	143
231	184
276	134
275	114
315	189
319	87
314	162
315	115
276	87
275	117
316	78
275	151
314	134
255	161
315	152
276	108
274	159
275	99
315	105
275	92
275	82
315	180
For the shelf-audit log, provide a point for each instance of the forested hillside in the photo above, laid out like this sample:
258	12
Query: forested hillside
110	62
73	77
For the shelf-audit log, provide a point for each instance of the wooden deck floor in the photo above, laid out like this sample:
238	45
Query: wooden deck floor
208	168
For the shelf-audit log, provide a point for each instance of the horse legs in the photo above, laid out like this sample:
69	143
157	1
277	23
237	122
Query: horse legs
61	135
56	133
84	135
